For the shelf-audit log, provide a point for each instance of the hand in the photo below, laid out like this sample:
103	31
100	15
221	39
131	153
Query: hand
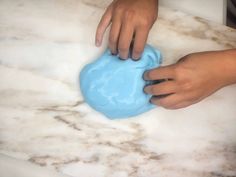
192	79
129	19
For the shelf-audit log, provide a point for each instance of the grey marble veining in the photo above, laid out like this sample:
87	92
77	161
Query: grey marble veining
44	120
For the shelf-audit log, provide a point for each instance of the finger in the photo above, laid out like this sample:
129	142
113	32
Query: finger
164	72
125	39
102	26
114	33
164	88
139	42
168	102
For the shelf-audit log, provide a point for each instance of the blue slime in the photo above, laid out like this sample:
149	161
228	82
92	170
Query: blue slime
114	87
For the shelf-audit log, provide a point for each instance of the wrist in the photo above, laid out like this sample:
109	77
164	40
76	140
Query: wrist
228	66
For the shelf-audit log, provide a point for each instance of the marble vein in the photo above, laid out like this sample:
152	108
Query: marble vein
44	120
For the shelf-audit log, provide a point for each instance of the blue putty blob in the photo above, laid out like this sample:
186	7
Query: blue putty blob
114	87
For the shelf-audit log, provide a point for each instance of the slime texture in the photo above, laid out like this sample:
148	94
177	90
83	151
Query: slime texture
114	87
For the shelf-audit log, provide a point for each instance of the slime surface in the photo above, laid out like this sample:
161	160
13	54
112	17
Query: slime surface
114	87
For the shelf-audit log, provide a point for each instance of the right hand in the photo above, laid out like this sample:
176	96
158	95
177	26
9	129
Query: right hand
192	79
129	19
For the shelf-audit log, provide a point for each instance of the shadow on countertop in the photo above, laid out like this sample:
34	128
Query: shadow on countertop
231	13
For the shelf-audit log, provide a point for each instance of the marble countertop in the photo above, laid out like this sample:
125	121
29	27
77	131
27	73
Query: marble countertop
45	124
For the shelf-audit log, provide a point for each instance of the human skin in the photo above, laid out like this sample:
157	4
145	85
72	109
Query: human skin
192	78
130	20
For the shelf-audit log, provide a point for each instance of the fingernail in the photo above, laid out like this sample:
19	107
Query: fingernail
147	89
150	100
145	75
122	58
136	59
113	53
136	56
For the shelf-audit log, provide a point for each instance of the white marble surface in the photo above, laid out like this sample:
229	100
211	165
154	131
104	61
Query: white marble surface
214	10
44	121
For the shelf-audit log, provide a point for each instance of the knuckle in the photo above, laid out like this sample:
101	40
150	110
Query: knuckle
185	83
145	22
126	12
177	71
112	40
119	8
129	13
187	86
180	73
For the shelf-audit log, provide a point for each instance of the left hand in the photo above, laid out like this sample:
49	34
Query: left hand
128	19
192	78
